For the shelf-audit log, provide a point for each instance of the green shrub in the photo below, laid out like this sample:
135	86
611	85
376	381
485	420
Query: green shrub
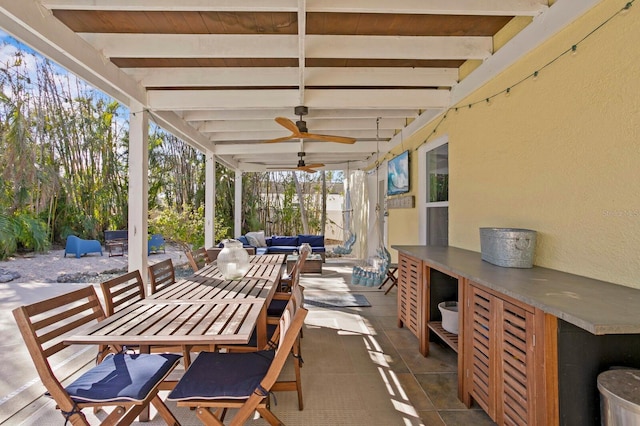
185	228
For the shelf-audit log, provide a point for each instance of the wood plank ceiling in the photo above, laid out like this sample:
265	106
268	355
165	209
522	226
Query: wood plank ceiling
228	68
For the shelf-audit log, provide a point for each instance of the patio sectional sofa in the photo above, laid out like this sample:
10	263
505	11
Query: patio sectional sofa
286	244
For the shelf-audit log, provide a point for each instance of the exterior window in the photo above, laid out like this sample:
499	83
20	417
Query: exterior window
435	197
438	174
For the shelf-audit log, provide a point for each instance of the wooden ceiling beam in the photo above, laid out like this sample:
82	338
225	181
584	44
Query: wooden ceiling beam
267	76
365	98
316	113
286	46
262	135
440	7
314	125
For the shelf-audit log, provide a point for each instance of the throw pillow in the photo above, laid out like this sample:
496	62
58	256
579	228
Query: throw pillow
257	238
253	240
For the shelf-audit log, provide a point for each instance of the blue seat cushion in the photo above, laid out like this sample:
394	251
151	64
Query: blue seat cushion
122	377
276	307
313	240
215	375
262	250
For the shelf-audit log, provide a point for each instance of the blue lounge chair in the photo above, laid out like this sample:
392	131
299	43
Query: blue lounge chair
78	246
156	243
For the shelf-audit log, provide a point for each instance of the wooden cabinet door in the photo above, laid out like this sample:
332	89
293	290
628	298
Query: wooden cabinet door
480	345
516	331
499	357
409	292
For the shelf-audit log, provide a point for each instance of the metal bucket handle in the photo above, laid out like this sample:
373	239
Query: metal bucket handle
520	246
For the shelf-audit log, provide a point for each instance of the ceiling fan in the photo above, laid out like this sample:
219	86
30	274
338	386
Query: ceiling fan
299	129
309	168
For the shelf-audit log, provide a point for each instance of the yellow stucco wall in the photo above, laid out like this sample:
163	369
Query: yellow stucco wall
560	154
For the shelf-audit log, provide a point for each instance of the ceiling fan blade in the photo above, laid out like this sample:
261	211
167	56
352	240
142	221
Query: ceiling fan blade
314	166
289	125
282	139
307	169
329	138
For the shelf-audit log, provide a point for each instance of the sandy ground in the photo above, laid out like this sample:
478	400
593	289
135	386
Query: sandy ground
47	267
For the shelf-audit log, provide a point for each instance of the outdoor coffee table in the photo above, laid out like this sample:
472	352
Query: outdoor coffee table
313	264
115	247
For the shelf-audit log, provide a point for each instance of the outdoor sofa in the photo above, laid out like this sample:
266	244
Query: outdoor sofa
278	244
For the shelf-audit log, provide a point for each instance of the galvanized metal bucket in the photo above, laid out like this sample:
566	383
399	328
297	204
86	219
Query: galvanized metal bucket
508	247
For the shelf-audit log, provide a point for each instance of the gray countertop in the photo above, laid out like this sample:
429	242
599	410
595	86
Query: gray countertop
596	306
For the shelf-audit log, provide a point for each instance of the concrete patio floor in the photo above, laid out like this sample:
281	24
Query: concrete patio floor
359	367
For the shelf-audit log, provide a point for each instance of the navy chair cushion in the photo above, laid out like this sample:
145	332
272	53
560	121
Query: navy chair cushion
313	240
215	375
243	240
122	377
276	308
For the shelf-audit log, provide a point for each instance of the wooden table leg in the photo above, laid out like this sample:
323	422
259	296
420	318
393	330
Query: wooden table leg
261	328
144	414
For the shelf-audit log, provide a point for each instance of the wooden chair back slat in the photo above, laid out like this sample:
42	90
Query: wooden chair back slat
67	313
63	299
161	275
122	291
198	259
287	282
67	327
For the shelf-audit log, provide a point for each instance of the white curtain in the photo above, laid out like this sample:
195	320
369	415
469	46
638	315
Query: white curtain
360	217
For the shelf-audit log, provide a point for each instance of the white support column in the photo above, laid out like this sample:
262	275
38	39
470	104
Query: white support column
237	208
210	201
138	188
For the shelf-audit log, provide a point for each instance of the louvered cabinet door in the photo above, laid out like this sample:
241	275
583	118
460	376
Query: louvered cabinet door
480	346
409	292
517	367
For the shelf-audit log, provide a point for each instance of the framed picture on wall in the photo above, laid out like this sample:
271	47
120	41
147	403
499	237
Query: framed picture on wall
398	174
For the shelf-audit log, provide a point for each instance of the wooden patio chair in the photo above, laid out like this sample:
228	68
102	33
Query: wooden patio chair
126	382
161	275
286	279
239	380
122	291
198	259
297	298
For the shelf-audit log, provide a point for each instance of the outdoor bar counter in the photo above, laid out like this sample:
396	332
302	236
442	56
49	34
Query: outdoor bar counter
532	338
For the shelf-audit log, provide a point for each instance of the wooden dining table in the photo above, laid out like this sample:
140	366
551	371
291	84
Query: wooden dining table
202	309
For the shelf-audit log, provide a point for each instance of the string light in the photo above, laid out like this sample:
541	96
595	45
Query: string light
533	76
